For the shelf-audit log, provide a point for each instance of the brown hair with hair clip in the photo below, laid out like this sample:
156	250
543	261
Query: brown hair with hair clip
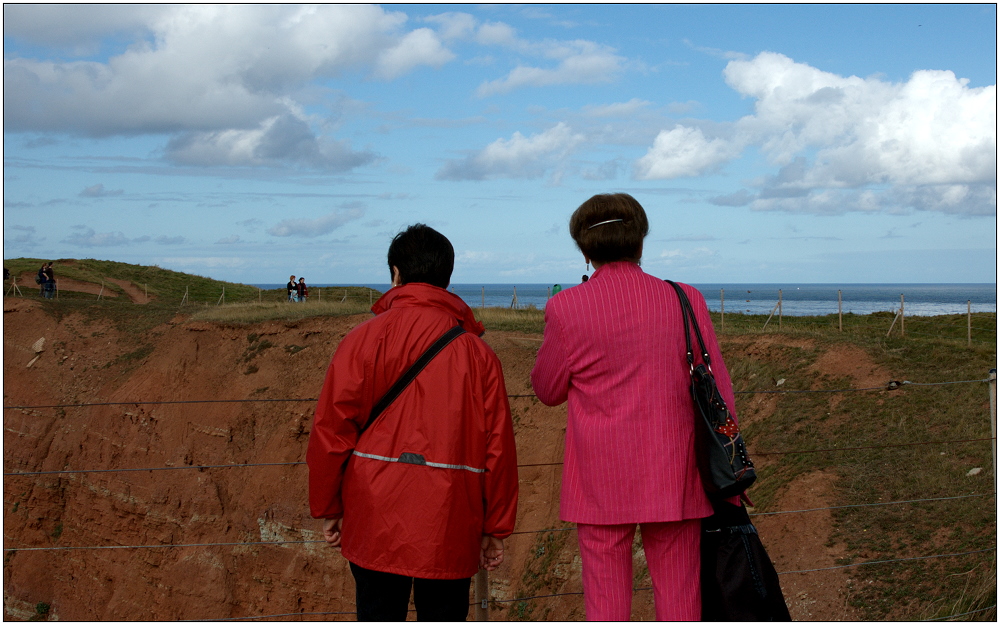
610	227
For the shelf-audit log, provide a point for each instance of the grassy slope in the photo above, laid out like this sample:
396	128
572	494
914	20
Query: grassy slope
163	285
934	350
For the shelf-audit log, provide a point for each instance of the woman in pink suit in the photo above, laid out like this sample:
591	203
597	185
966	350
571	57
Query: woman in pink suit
614	350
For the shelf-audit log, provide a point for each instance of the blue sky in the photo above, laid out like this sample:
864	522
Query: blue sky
770	143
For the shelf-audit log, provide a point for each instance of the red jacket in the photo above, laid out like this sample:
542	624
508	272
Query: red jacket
416	520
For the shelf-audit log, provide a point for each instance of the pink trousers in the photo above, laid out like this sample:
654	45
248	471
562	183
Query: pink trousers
672	554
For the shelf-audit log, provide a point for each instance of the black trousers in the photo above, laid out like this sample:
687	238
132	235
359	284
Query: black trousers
386	596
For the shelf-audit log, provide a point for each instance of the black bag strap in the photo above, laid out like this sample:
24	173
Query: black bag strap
688	312
411	373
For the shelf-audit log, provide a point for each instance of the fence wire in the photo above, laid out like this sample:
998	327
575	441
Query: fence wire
889	386
517	533
201	467
892	385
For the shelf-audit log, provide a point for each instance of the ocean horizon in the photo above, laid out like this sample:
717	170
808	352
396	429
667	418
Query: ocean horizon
798	299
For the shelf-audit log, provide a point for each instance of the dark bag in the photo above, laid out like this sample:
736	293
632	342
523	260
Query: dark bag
738	581
725	466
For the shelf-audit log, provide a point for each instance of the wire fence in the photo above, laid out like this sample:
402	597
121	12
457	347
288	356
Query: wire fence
494	601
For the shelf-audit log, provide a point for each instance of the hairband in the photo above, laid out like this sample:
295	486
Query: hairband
610	221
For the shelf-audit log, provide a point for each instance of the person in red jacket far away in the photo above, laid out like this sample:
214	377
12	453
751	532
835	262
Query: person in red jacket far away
424	496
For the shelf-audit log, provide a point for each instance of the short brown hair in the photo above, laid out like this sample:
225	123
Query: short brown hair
610	227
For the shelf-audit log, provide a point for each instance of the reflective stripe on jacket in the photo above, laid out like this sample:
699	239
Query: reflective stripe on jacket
438	468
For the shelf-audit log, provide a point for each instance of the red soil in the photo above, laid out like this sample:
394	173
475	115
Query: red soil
83	361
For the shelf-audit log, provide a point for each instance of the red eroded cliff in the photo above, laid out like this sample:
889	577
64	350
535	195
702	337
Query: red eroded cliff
89	361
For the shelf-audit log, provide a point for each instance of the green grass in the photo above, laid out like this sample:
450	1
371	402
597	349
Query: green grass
801	422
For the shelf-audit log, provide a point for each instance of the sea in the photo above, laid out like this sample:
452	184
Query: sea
761	298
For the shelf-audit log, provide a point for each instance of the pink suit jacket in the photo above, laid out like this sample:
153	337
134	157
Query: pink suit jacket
614	349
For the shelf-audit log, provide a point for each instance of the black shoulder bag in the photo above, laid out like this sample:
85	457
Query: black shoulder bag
725	467
411	373
738	581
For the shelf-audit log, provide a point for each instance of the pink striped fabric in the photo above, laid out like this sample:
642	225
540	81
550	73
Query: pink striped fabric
672	554
614	349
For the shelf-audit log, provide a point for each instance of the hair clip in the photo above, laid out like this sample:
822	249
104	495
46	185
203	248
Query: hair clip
610	221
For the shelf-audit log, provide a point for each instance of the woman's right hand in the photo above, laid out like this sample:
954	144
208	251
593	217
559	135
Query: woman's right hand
492	554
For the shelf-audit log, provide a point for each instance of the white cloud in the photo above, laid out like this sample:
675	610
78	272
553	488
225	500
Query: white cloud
26	237
280	139
311	228
202	71
577	61
76	27
98	190
453	25
420	47
617	109
580	63
684	151
517	157
931	140
87	237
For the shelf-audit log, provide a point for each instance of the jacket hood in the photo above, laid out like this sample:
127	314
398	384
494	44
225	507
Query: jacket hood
422	294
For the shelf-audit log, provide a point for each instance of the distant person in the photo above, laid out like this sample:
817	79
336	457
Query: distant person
301	290
556	288
426	495
45	274
293	289
584	279
614	349
50	281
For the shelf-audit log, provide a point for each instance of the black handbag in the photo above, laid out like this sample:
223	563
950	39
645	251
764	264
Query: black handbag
725	466
738	581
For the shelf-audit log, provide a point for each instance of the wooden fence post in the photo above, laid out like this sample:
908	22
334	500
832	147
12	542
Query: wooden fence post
513	301
722	310
102	290
969	317
993	421
902	316
779	309
482	596
222	298
840	311
185	298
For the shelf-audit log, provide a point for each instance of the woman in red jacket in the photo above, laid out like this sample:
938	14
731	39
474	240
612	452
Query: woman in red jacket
426	495
614	349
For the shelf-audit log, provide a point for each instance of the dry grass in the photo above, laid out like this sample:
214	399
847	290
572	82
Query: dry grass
267	311
529	320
